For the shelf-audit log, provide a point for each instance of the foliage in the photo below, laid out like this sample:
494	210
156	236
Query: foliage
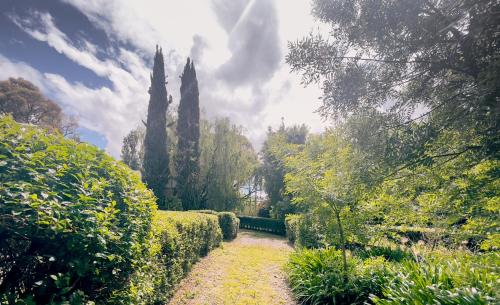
183	238
461	197
292	222
444	279
437	56
316	277
24	101
273	168
228	161
155	165
26	104
305	231
133	148
263	224
188	137
326	178
391	276
228	223
76	224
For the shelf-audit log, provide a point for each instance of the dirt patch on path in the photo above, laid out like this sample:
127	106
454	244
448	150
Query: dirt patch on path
248	270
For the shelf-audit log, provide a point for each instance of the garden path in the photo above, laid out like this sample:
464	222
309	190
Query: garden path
247	270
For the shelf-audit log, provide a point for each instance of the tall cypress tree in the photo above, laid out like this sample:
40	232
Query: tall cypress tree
155	164
188	133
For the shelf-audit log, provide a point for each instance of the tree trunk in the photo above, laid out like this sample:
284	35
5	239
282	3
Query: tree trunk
342	244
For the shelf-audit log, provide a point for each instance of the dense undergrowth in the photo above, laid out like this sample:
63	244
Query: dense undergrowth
393	277
78	227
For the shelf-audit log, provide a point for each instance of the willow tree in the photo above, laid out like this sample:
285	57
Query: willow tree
155	164
188	138
228	161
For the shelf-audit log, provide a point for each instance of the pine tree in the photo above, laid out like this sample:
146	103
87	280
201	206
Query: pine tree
188	133
155	164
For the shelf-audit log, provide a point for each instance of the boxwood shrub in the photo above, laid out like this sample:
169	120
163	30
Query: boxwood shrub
183	237
228	222
76	225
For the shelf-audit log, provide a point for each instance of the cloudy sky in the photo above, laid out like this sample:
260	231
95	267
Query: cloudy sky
94	57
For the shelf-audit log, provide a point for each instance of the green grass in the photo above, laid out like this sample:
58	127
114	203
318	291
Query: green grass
247	271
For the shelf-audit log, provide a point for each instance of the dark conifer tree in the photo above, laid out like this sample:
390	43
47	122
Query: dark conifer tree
188	133
155	164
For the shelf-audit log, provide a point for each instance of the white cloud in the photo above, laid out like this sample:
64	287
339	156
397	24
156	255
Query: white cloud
14	69
183	28
109	111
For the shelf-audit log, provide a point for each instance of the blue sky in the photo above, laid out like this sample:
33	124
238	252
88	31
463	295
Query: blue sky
93	57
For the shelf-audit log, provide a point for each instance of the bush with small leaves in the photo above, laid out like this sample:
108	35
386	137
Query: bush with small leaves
75	223
183	237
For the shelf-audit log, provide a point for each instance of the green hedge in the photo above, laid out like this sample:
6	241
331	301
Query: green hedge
228	222
263	224
75	223
183	238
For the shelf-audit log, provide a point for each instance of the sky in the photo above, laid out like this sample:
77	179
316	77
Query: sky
94	58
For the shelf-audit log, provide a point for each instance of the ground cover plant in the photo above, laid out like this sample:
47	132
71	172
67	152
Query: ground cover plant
387	277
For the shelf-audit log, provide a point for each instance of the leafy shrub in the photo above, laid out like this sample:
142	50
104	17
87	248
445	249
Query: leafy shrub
280	209
183	238
304	231
390	254
450	279
228	222
264	212
316	277
436	278
263	224
76	224
292	226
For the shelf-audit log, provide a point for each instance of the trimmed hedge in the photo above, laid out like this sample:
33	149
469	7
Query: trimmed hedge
228	222
183	238
78	227
75	223
263	224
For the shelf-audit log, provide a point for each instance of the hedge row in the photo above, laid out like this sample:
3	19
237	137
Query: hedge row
228	222
263	224
75	223
183	238
78	227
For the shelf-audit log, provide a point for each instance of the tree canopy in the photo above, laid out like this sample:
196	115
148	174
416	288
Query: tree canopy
426	61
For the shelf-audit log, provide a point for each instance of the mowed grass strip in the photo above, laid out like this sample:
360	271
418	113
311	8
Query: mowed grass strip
247	271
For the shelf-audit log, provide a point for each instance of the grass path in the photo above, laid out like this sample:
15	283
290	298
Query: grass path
245	271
